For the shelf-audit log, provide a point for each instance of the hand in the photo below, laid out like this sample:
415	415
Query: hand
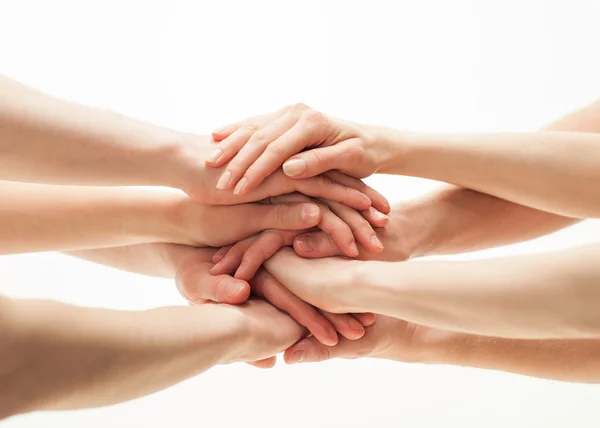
197	285
333	284
265	332
200	183
389	338
403	237
245	257
201	225
260	145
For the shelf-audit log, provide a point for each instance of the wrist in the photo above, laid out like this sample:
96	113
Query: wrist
185	163
392	147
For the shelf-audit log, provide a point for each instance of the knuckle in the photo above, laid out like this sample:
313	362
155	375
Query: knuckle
282	213
250	127
298	107
259	138
323	353
355	153
314	117
276	150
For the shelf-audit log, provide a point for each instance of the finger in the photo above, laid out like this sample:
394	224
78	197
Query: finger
321	159
345	324
196	284
326	188
227	149
230	262
261	250
225	131
375	217
340	231
267	363
367	319
286	216
266	286
311	128
309	350
360	227
316	245
221	252
254	148
378	201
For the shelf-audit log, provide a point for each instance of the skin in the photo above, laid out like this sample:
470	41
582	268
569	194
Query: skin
58	357
46	140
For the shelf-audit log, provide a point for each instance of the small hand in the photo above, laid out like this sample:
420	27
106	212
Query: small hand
197	285
260	145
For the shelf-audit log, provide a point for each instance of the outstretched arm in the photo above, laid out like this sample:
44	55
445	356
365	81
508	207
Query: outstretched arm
47	140
454	219
393	339
549	295
57	356
61	218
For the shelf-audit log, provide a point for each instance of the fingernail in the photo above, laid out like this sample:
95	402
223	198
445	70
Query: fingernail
375	240
223	182
233	290
378	214
215	155
353	249
240	186
294	166
304	244
219	131
310	214
332	335
297	357
355	325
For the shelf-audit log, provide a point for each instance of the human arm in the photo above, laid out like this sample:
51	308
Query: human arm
57	356
548	295
191	269
574	360
47	140
44	217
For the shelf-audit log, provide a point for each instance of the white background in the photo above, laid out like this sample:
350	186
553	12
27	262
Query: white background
422	65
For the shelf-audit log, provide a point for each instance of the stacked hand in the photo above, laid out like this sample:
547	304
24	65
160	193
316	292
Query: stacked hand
245	166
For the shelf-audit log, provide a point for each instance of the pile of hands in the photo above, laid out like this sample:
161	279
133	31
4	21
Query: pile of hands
286	225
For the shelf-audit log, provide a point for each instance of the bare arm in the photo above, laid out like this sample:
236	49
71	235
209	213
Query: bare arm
57	356
549	295
454	220
37	217
575	360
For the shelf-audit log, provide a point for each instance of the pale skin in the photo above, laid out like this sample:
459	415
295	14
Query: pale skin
540	296
47	140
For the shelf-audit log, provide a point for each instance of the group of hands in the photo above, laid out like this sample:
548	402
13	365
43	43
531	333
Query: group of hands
298	174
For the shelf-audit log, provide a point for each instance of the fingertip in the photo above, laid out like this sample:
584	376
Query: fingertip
310	215
366	319
235	291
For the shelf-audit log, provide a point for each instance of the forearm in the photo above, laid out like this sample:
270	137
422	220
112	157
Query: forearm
551	295
62	218
564	360
46	140
157	259
57	356
455	220
550	171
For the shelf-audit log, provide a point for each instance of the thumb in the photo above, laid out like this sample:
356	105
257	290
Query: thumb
313	162
196	284
289	216
310	350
